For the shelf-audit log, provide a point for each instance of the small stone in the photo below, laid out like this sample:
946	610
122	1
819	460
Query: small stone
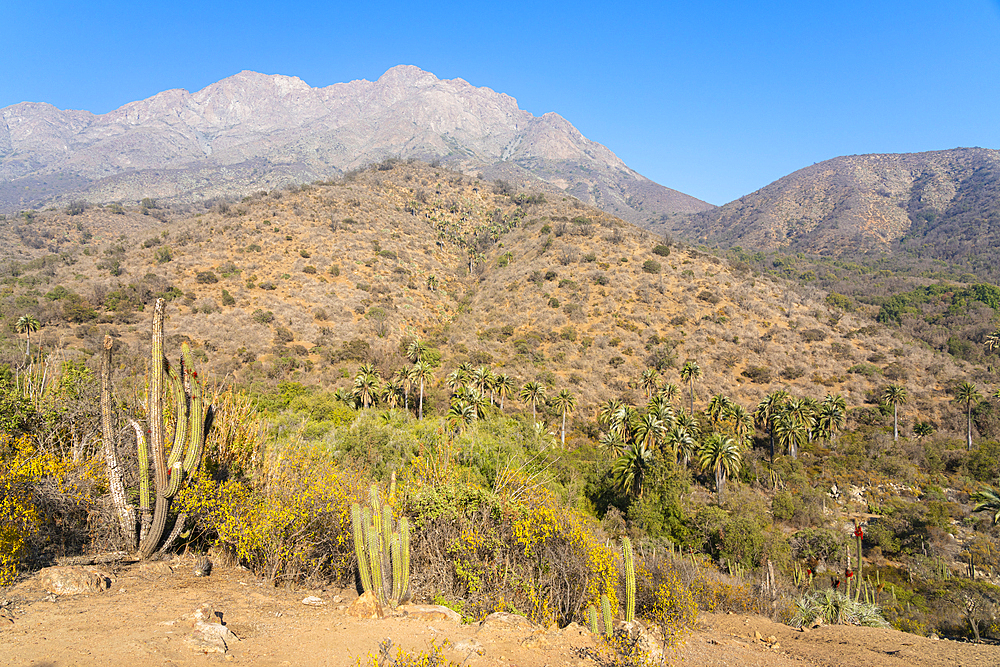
429	612
204	614
757	636
771	639
337	599
314	601
366	606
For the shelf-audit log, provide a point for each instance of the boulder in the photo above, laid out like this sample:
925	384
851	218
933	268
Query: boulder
208	634
429	612
74	580
366	606
646	642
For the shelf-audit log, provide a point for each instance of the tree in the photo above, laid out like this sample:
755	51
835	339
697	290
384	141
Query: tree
661	408
987	500
460	416
565	402
481	379
669	391
27	324
992	341
631	467
505	387
421	372
969	394
392	392
896	395
650	430
678	440
832	415
366	385
721	455
690	372
768	410
718	407
742	422
532	392
649	381
790	433
416	350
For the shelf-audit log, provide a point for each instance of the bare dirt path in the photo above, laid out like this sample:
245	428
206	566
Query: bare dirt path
145	619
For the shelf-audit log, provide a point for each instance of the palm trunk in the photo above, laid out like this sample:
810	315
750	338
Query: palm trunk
564	431
720	484
421	398
895	424
969	427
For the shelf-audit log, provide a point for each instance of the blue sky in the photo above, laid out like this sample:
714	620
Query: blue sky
715	99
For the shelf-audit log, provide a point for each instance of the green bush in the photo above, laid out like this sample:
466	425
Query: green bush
651	266
662	250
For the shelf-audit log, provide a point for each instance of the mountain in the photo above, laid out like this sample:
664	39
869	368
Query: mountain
941	205
254	131
306	283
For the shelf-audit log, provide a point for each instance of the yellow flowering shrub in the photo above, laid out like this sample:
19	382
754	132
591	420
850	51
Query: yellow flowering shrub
23	469
294	524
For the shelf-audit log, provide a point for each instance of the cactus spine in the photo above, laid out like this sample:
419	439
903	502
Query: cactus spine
191	424
629	579
382	548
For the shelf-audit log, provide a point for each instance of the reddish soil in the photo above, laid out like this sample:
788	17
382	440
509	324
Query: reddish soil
143	619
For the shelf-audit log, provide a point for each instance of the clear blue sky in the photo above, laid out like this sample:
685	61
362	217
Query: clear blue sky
715	99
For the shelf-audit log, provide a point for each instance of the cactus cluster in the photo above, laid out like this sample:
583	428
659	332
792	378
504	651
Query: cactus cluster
382	547
191	421
628	558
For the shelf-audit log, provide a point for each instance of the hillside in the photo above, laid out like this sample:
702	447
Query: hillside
253	131
308	283
940	205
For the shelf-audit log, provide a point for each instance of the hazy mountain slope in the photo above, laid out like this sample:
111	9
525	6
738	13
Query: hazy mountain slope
558	292
253	131
942	204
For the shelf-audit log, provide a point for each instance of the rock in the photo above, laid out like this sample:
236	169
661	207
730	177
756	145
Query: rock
366	606
157	569
203	567
74	580
771	639
469	646
646	643
536	639
502	620
337	599
574	629
313	601
210	638
429	612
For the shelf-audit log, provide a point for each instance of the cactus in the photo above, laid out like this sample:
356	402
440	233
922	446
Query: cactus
192	422
592	619
629	560
382	548
606	614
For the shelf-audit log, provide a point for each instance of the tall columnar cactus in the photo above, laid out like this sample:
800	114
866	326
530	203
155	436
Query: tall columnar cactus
191	422
382	547
629	560
606	614
592	619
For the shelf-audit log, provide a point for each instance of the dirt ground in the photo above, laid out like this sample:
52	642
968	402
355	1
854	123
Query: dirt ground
145	619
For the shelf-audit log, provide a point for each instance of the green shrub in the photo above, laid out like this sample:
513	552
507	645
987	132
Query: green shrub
651	266
662	250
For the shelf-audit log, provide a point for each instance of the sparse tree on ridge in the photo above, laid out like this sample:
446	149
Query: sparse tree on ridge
565	402
895	395
690	372
969	394
532	392
27	324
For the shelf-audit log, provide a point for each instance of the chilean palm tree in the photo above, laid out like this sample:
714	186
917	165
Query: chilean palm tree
27	324
532	392
631	467
742	422
366	385
607	411
832	415
969	394
718	407
481	379
766	412
721	455
669	391
460	416
416	350
649	381
987	500
678	440
565	402
611	442
790	433
392	392
661	408
650	430
421	372
895	395
505	386
690	372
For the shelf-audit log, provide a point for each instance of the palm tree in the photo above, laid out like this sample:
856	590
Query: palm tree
392	392
611	442
987	500
631	467
718	406
992	341
721	455
669	391
896	395
969	394
649	381
650	430
421	372
661	409
766	412
678	440
532	392
742	423
366	385
790	433
27	324
565	402
432	283
416	350
402	377
832	415
477	400
690	372
505	386
460	416
481	379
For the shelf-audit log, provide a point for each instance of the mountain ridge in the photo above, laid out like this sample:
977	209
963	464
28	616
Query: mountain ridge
251	120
